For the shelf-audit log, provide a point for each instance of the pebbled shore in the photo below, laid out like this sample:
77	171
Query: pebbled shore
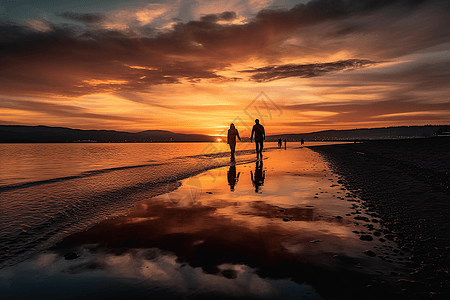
406	182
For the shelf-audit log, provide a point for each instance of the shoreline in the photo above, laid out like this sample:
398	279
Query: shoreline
407	183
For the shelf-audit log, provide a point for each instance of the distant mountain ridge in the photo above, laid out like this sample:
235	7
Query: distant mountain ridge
398	132
46	134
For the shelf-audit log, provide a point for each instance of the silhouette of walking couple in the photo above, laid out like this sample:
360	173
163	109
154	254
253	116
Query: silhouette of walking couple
257	132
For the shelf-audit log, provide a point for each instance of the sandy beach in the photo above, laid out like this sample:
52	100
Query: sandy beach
327	223
406	182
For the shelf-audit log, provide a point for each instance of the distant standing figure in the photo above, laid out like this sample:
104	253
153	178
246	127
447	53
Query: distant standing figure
284	144
231	139
260	136
279	143
302	141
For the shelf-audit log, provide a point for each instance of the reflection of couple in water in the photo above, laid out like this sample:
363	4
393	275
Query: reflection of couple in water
257	177
260	135
257	132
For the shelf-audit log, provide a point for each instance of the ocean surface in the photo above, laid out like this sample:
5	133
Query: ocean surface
49	191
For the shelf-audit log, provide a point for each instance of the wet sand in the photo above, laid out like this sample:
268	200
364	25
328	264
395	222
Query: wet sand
407	182
288	227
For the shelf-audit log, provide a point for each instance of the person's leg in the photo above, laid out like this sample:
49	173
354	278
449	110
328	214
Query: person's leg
233	148
261	147
257	149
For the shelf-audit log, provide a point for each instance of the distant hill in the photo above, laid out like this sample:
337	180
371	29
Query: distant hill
45	134
401	132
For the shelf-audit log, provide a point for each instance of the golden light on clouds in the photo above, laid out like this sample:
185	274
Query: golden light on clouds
95	82
149	13
194	67
411	114
143	68
115	26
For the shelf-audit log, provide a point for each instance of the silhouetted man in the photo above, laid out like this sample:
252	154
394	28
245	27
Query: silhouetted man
260	136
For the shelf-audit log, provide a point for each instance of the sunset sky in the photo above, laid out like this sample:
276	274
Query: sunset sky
195	66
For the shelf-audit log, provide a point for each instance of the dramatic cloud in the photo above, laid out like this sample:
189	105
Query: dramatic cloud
85	18
372	109
214	18
394	49
60	110
309	70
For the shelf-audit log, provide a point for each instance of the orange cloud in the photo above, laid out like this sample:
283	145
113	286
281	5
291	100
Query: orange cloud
321	62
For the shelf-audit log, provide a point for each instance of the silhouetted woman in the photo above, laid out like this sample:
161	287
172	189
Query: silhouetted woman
231	139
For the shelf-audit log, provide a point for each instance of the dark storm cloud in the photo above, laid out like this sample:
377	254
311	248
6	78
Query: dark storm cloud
368	28
322	10
225	16
62	59
84	18
59	60
308	70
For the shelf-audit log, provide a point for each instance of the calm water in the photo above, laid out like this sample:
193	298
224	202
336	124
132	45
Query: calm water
49	191
281	228
23	163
